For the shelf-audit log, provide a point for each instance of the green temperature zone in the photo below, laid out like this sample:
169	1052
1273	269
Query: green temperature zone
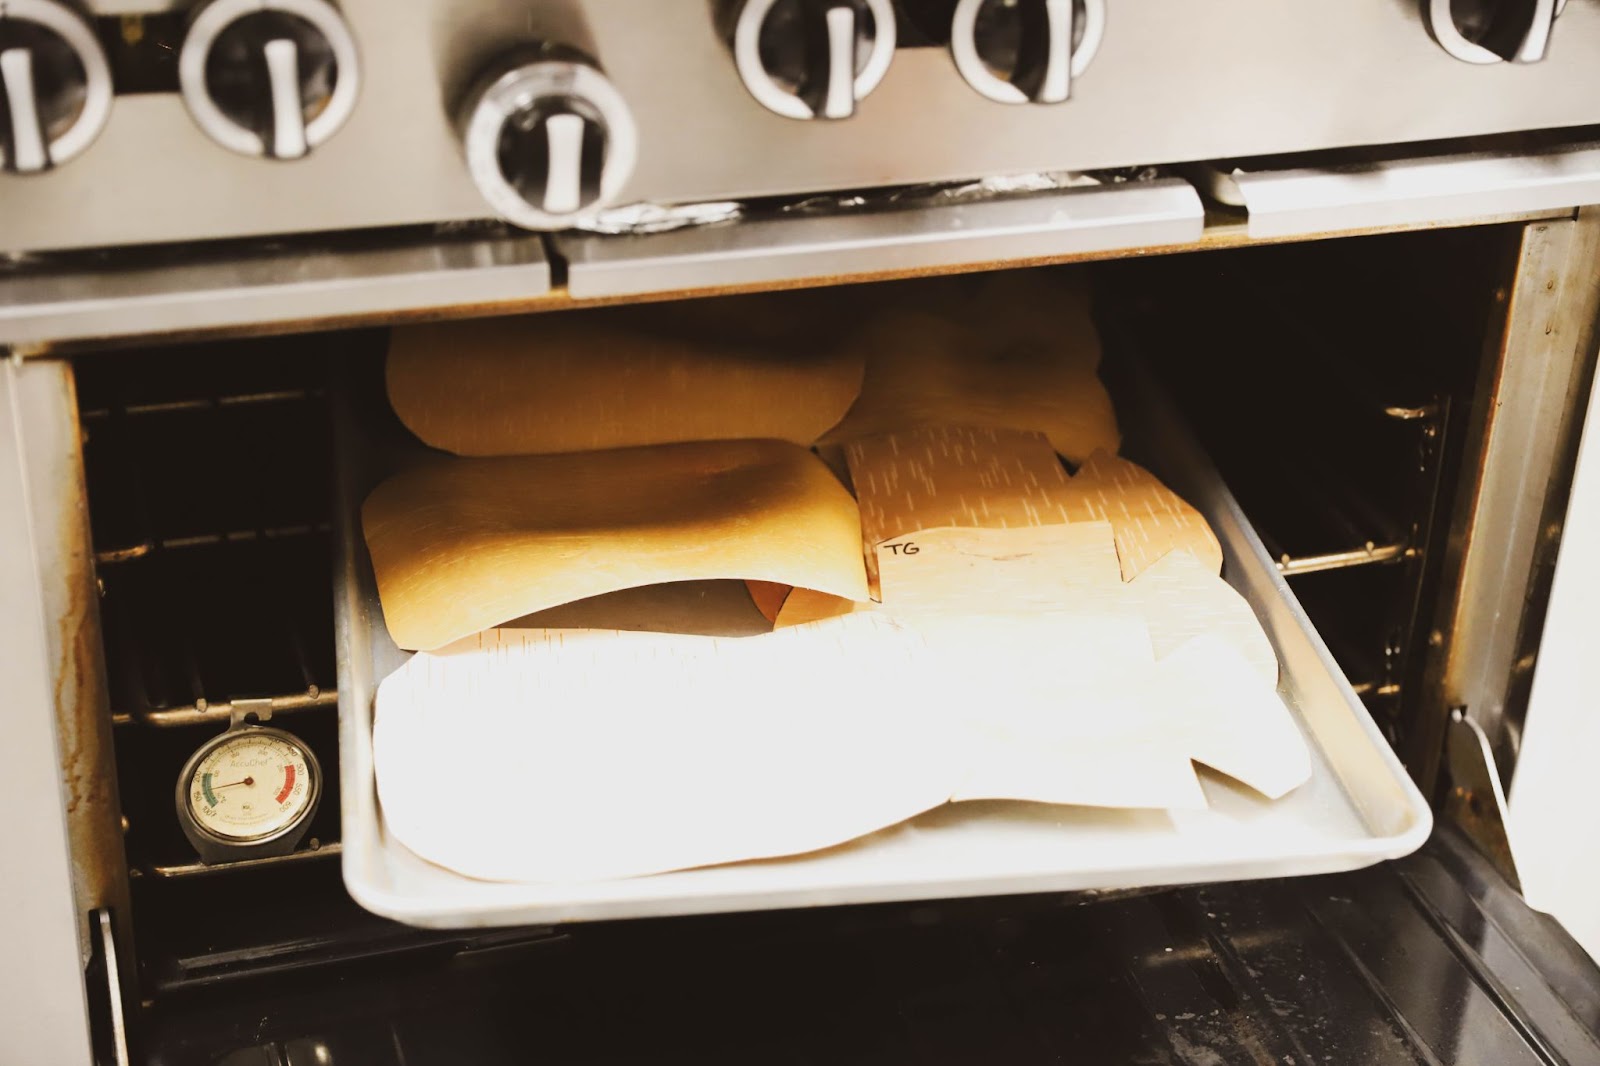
205	786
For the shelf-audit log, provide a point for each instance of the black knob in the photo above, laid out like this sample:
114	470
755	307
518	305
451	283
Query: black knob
812	58
1025	51
55	85
1493	31
271	78
547	140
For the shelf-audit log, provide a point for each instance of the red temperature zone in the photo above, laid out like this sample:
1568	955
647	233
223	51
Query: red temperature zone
288	784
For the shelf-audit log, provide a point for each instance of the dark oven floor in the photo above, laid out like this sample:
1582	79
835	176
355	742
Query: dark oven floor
1432	959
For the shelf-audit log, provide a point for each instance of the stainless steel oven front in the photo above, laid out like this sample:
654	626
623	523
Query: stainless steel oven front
162	127
1354	242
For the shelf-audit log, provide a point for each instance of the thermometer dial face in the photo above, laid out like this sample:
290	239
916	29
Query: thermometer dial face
251	784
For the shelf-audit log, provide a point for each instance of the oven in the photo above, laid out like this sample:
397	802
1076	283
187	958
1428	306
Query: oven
1344	265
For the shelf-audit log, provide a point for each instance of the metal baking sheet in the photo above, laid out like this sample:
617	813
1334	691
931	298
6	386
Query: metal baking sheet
1358	808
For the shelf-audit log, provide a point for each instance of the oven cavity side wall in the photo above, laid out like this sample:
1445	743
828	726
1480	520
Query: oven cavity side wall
1499	558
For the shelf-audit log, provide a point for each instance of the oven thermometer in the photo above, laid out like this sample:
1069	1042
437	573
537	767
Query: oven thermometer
249	793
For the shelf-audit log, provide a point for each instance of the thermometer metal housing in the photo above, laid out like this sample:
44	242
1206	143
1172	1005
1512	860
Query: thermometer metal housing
216	846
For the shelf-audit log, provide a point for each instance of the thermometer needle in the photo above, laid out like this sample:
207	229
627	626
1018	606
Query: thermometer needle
246	781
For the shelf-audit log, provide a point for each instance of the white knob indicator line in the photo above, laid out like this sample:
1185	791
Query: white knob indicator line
1057	83
563	182
27	135
840	101
288	117
1537	42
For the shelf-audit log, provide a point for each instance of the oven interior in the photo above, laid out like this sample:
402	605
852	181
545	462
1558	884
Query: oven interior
1333	383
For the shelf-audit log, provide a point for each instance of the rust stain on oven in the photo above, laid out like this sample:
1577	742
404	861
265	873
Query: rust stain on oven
82	708
76	683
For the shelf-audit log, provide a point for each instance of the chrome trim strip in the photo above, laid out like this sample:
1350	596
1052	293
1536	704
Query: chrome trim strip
1292	203
262	287
767	251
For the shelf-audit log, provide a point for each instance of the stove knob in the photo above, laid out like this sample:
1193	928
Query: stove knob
548	140
813	58
55	85
1493	31
1026	51
272	78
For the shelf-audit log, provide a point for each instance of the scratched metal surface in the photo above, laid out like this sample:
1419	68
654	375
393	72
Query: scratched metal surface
1431	959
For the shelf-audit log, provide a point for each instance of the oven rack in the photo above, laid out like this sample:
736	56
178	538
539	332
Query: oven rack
1374	674
282	918
202	711
209	515
138	550
193	632
314	849
208	492
202	471
1317	505
1322	511
1381	549
1369	554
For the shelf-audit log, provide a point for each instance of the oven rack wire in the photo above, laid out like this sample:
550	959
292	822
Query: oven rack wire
188	492
313	850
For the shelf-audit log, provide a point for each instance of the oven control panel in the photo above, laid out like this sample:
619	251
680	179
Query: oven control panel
149	121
